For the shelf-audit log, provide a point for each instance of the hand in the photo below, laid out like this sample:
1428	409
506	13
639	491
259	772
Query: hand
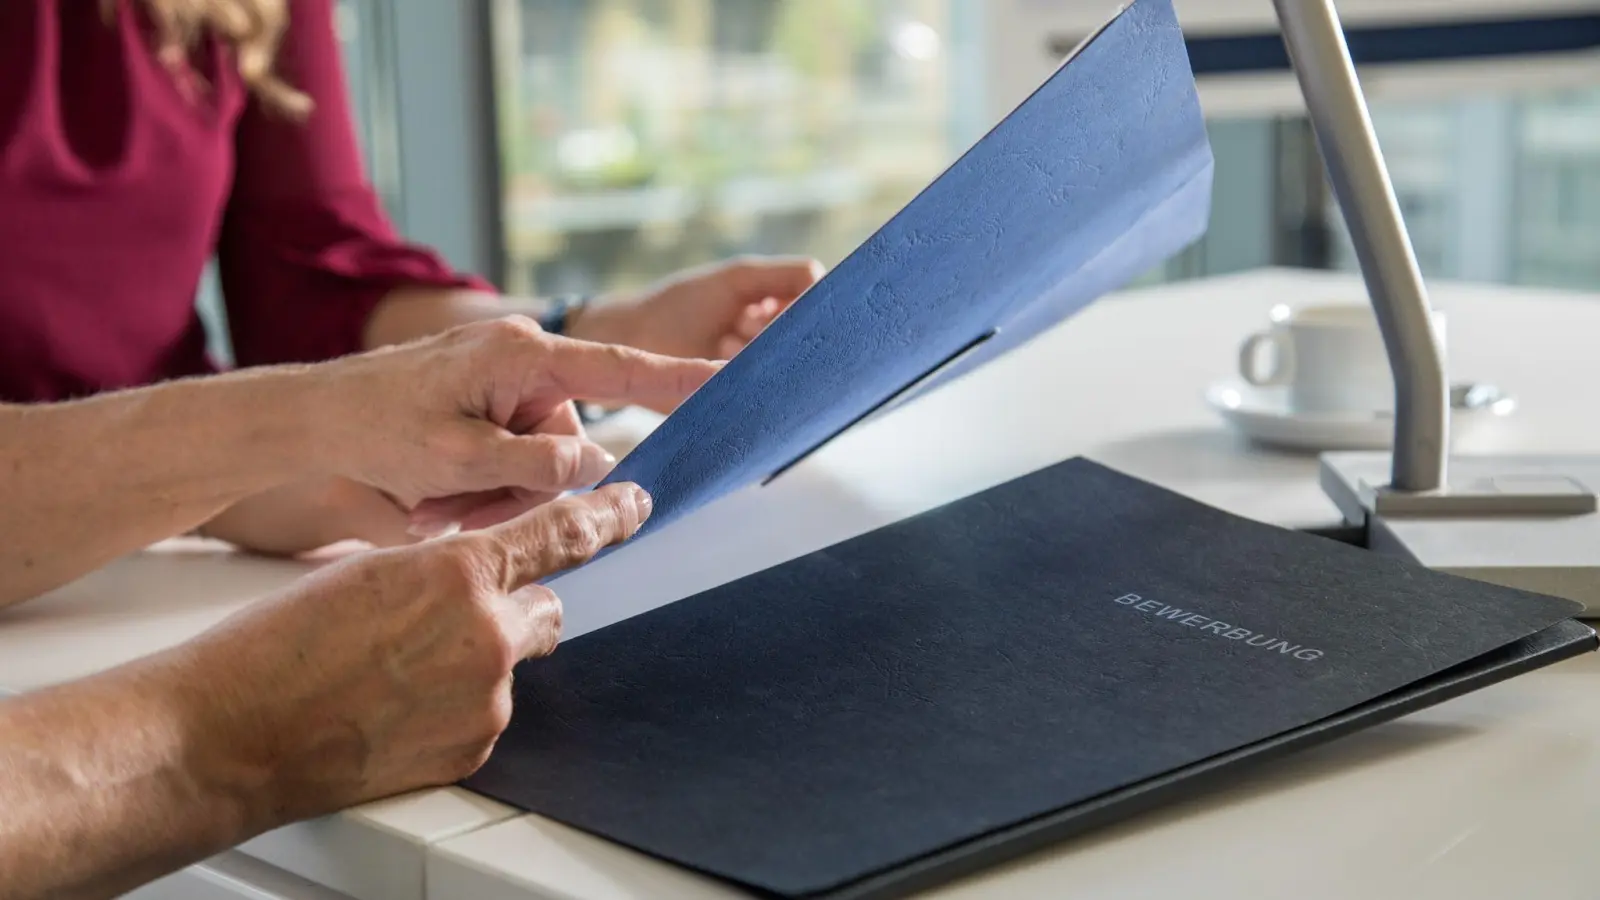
532	443
710	312
390	671
478	421
305	516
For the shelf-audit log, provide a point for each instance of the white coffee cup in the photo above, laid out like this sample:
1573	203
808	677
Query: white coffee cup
1329	356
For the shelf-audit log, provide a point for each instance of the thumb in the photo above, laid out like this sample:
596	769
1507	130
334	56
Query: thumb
565	533
372	517
470	512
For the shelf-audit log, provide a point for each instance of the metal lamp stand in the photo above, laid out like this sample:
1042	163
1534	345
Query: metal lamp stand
1527	522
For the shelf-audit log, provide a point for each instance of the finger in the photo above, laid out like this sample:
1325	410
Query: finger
378	520
437	515
565	533
611	373
542	462
504	509
563	419
749	326
782	277
756	317
471	512
531	620
728	346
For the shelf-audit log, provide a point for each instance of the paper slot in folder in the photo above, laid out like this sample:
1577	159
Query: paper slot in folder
896	399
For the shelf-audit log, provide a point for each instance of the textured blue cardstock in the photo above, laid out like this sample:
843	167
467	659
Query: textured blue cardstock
1100	175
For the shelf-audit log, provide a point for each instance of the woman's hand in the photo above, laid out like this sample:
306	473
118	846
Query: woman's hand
710	312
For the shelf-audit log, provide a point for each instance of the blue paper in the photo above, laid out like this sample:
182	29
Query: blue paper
1096	178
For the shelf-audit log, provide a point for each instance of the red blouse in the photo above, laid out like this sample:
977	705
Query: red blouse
117	185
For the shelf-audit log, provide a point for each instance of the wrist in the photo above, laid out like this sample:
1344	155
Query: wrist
598	321
335	402
563	313
211	775
225	772
93	817
240	433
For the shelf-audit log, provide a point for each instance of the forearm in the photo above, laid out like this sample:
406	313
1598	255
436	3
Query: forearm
110	782
413	312
409	313
88	481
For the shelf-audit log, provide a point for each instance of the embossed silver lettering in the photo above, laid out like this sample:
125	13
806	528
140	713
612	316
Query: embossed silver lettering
1206	624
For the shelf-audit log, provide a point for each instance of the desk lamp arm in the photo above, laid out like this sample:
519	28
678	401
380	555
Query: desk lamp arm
1419	484
1360	180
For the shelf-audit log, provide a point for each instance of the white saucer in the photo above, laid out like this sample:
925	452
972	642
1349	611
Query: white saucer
1263	415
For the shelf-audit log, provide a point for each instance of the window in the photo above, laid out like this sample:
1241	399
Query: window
1497	187
367	45
638	137
1556	237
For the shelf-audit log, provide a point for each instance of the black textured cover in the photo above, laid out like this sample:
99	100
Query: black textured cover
960	686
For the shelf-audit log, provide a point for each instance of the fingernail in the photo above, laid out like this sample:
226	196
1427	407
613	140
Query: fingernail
644	501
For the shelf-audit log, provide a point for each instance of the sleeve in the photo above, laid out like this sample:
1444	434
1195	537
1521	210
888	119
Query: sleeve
306	251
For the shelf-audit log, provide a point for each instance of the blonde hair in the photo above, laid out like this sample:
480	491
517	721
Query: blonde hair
251	28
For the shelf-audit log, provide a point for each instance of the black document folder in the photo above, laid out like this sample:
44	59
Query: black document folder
963	686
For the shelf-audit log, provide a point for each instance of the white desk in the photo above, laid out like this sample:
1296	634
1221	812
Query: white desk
1486	796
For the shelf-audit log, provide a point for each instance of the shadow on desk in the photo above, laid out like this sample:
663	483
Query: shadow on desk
1383	743
1223	825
